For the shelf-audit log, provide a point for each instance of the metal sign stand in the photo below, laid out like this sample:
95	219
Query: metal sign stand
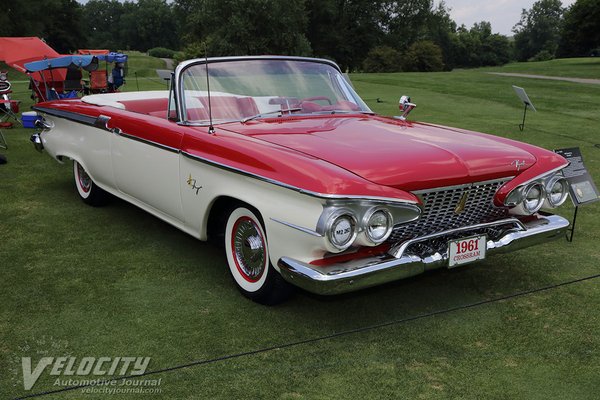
582	189
528	104
522	125
571	230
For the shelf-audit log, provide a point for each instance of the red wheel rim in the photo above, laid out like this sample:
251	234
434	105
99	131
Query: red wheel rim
248	249
85	183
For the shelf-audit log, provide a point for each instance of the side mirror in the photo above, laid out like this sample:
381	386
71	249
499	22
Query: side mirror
406	107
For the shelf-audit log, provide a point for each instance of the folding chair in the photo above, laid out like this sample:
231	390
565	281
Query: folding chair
73	80
98	81
9	109
3	144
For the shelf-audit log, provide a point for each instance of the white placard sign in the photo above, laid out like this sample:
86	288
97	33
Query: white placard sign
523	96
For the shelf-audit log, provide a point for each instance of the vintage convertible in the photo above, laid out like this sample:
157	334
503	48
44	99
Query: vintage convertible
279	159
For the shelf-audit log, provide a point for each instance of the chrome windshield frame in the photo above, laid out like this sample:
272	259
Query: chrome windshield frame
182	67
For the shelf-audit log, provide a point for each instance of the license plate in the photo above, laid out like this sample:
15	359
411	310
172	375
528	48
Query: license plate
466	250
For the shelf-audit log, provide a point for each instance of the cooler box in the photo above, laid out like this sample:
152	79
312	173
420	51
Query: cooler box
29	117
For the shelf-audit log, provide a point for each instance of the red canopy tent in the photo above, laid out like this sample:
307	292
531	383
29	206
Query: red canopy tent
16	51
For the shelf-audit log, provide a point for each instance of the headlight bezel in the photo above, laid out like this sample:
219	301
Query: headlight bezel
516	199
361	211
539	198
389	225
335	216
564	193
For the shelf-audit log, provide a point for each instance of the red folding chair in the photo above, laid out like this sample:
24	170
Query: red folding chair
9	109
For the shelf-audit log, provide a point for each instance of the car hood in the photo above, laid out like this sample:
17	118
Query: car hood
404	155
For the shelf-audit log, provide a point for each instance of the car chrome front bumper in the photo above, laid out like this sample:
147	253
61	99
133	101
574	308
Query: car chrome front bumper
36	139
394	265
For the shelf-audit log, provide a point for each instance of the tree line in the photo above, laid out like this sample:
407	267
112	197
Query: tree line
360	35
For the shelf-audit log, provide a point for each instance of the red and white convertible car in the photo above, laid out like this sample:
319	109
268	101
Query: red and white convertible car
280	160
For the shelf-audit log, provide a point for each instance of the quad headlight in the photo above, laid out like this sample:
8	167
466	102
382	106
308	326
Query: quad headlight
341	230
378	224
362	222
557	190
533	197
548	191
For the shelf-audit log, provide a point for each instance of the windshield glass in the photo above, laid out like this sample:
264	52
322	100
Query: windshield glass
241	90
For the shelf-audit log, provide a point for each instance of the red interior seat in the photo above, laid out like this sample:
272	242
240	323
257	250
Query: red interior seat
229	107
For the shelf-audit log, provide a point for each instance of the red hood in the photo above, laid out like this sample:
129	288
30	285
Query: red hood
404	155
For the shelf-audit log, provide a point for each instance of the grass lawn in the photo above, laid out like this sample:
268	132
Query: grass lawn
588	67
117	282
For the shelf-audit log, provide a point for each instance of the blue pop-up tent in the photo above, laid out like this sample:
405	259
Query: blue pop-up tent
63	87
89	63
113	57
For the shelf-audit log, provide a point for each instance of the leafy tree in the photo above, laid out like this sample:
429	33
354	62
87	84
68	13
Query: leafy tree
496	49
102	18
61	25
423	56
405	22
441	30
131	25
383	59
581	30
245	27
150	23
344	30
63	30
539	29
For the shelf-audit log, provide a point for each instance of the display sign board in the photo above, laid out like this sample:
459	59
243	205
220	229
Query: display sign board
582	187
523	96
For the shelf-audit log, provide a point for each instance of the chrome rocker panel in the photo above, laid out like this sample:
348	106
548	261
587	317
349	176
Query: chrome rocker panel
371	271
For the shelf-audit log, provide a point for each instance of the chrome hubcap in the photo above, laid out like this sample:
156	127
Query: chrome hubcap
84	179
249	249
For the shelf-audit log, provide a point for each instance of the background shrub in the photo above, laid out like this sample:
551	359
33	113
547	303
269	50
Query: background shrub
423	56
382	59
161	52
543	55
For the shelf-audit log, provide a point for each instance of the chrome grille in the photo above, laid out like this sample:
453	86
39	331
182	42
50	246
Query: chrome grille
439	206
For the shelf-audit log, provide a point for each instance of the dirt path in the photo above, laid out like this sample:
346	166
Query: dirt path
553	78
168	62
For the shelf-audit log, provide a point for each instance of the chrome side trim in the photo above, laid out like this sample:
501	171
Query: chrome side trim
100	122
375	270
552	171
398	250
294	188
300	228
71	116
119	132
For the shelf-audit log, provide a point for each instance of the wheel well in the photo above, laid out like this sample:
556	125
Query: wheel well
217	217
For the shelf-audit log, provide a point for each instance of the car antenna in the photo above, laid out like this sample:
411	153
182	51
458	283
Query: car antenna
211	128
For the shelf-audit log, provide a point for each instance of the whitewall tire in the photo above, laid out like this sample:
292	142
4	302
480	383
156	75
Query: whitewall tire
88	191
247	252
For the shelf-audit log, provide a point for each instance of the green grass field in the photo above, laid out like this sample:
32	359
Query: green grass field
568	67
117	282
